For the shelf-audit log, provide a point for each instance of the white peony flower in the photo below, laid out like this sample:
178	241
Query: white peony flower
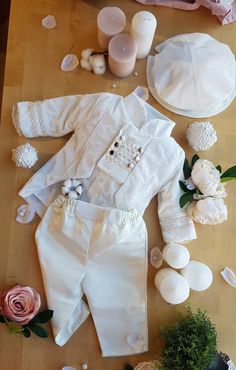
151	365
206	177
208	211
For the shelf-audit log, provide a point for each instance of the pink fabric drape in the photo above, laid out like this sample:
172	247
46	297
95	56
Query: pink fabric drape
226	13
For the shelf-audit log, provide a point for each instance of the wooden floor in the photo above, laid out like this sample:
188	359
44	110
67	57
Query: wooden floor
33	73
4	17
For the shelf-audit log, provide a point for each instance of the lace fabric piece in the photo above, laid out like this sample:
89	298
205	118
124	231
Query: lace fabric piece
15	119
169	222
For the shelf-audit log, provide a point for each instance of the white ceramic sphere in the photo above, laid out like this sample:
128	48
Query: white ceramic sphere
173	287
198	275
176	255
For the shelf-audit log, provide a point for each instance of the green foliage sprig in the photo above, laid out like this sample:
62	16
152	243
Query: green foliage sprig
190	343
32	325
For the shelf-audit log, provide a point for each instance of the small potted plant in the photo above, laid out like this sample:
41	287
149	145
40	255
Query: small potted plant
190	343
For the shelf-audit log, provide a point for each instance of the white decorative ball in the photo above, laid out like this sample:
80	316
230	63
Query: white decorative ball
25	156
201	136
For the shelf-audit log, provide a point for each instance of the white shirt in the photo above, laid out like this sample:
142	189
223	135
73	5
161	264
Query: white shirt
120	149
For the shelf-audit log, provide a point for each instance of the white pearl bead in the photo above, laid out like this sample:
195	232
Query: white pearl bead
84	366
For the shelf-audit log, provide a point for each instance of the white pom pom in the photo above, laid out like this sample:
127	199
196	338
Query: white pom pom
201	136
98	63
87	53
25	156
86	65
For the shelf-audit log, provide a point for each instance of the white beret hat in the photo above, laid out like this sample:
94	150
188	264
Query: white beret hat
193	75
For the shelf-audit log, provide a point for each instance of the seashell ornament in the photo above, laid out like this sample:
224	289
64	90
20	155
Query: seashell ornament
49	22
25	156
201	136
69	62
25	214
72	188
156	258
229	276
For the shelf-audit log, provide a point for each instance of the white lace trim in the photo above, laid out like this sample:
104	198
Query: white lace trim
15	119
36	118
168	222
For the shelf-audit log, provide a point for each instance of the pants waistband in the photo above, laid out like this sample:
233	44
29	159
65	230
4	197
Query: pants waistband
92	211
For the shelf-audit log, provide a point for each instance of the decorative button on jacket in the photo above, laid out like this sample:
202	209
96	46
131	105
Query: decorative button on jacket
120	150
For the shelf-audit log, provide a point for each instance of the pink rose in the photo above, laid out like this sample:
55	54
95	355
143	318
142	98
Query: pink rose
20	304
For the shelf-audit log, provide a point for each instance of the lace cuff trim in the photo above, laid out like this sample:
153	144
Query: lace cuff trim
16	121
36	118
178	228
168	222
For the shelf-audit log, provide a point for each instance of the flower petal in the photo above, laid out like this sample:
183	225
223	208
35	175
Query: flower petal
229	276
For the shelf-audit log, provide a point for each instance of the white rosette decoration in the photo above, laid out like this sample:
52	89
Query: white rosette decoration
204	188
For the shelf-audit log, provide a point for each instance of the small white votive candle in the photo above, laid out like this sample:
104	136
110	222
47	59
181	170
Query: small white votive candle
143	28
122	51
173	287
176	255
198	275
110	21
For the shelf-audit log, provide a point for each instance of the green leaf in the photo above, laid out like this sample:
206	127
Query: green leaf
225	179
185	198
2	319
39	331
186	169
195	159
128	367
183	186
219	168
230	173
41	318
26	332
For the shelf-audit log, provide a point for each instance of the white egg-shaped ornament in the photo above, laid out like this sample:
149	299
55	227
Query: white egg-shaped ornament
25	156
198	275
172	287
176	255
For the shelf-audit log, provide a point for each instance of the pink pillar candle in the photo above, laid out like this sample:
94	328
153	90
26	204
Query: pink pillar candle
122	51
110	21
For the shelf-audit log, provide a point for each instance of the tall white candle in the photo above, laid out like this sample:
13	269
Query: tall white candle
143	28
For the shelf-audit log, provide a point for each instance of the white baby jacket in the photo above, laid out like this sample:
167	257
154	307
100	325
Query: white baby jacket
120	149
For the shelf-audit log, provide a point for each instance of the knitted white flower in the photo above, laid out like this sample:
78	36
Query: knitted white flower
25	156
150	365
208	211
72	188
201	136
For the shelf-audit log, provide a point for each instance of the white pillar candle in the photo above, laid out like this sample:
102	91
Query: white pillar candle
122	50
198	275
110	21
173	287
143	27
176	255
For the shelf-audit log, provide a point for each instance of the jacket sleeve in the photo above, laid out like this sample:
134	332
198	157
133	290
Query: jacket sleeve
52	117
176	225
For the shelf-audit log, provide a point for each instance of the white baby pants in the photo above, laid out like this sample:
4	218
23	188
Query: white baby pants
102	253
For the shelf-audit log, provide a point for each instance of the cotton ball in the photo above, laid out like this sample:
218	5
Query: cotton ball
86	65
86	54
25	156
98	63
201	136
